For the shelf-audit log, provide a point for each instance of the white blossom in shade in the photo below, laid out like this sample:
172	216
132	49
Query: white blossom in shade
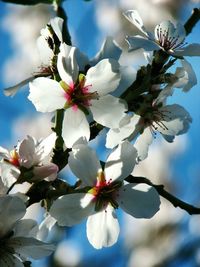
106	191
167	36
169	120
49	41
80	95
186	76
30	158
48	46
17	235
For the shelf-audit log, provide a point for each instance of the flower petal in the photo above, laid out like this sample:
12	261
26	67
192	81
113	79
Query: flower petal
45	52
176	122
4	153
121	162
109	49
134	17
9	174
128	127
137	42
190	50
103	228
104	77
138	200
75	126
67	66
108	110
72	209
57	24
30	247
9	260
27	152
190	78
47	145
128	76
46	95
26	226
11	91
84	163
12	209
142	144
45	227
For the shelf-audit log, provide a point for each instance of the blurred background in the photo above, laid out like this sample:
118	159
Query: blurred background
172	237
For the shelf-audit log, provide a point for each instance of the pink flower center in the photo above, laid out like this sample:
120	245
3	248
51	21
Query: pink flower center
78	94
104	192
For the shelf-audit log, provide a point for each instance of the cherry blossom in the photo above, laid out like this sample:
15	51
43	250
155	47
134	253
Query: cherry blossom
106	191
169	120
80	95
29	161
18	239
167	37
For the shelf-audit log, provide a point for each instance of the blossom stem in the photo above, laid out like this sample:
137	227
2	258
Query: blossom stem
176	202
60	157
191	22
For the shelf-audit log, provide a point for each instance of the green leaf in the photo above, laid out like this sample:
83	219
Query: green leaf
28	2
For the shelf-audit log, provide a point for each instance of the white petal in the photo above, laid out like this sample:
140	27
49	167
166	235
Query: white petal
27	152
26	226
121	162
75	126
45	227
165	92
128	127
84	163
82	60
47	145
108	110
167	28
9	260
103	228
134	17
67	65
49	171
177	120
11	91
109	49
104	77
72	209
31	247
190	76
47	95
57	24
4	153
137	42
11	210
190	50
138	200
9	174
45	52
142	143
128	76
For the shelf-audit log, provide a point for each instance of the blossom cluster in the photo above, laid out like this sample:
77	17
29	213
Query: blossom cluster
84	97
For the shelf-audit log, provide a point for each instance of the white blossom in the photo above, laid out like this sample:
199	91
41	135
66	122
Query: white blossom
106	192
167	37
30	156
18	236
79	95
169	120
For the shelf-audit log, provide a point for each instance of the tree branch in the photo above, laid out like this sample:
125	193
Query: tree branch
176	202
